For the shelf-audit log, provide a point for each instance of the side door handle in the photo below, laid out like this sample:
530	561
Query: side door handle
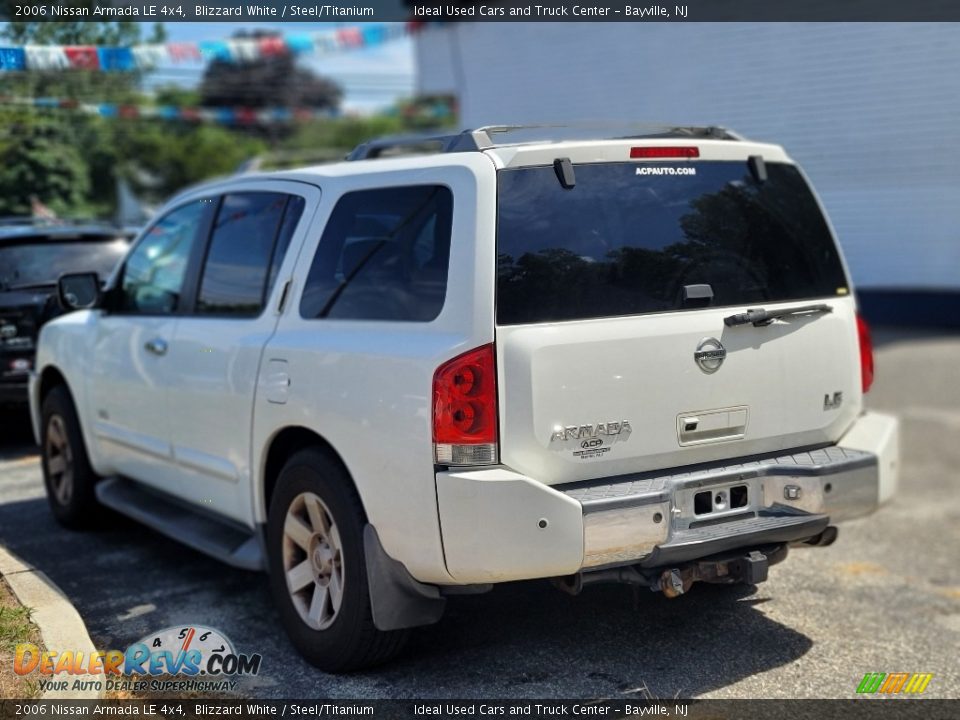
157	346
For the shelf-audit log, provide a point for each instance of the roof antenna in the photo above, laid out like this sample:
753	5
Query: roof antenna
564	169
758	168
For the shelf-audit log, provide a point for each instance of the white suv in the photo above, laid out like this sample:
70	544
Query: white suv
521	355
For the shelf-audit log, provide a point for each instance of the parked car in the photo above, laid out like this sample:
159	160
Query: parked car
400	378
33	254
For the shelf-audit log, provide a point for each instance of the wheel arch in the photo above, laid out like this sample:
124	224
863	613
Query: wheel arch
50	377
281	445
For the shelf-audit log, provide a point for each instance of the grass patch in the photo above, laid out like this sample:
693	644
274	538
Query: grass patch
15	628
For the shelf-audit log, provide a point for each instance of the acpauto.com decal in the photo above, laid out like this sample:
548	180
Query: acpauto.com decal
191	658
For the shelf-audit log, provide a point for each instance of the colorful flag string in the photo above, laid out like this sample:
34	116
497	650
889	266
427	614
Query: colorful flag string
237	116
151	56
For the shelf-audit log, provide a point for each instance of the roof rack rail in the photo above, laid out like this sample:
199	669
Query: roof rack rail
464	141
492	136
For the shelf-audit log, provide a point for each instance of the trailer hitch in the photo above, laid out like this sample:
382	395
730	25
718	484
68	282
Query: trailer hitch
744	566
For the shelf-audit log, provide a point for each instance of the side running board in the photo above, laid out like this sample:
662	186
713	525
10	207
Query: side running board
220	539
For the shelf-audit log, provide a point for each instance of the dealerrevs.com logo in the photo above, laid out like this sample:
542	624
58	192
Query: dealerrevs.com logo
187	658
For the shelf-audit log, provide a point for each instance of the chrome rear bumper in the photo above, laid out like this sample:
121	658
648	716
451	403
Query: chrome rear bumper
660	519
498	525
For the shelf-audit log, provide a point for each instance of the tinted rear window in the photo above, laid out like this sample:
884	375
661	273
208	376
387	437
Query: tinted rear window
622	242
383	256
45	261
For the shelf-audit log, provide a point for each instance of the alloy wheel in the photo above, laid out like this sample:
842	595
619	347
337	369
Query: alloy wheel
313	560
59	458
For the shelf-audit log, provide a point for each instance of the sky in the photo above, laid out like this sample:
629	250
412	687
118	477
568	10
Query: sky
372	78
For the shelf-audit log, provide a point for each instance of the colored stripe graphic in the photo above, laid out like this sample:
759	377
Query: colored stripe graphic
894	683
871	682
918	683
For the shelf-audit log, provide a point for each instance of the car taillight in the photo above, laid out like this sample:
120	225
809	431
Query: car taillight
866	354
465	409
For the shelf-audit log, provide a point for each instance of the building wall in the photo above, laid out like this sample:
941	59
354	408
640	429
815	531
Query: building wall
871	111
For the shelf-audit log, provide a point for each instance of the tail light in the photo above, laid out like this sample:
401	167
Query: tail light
465	409
664	152
866	354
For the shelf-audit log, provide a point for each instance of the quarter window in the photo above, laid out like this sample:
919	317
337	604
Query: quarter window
154	272
384	255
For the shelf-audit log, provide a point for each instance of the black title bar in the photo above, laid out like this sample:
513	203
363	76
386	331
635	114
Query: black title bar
358	11
637	709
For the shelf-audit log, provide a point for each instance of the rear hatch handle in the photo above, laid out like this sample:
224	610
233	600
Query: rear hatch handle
759	317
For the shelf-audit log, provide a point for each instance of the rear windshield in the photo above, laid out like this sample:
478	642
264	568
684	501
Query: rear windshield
40	263
628	238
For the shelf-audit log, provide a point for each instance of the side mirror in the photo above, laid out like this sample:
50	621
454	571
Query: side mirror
79	291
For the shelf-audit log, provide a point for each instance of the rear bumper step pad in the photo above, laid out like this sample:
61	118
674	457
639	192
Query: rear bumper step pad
768	528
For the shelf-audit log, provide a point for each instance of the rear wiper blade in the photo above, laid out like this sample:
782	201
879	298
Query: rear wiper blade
759	317
30	286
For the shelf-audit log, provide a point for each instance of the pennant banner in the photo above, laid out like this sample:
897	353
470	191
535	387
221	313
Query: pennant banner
148	57
237	116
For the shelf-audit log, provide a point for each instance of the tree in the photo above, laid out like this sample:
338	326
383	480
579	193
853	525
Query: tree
271	81
62	157
70	160
51	32
181	156
41	164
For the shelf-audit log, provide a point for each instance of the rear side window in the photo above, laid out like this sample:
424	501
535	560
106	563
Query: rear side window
242	256
622	242
40	260
384	255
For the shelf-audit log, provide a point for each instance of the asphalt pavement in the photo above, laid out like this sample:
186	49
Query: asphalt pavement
884	598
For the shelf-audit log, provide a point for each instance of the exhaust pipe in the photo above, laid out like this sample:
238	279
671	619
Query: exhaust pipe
826	538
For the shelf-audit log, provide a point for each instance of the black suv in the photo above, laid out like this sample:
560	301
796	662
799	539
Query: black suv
33	254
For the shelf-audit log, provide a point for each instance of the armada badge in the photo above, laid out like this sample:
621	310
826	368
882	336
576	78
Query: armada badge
590	432
710	354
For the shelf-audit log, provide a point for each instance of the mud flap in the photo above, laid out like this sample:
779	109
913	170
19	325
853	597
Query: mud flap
396	599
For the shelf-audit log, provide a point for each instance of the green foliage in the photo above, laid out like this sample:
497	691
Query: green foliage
15	626
174	95
42	163
55	32
71	160
182	155
63	158
341	134
331	139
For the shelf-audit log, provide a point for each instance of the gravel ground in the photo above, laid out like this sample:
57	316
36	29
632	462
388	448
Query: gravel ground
884	598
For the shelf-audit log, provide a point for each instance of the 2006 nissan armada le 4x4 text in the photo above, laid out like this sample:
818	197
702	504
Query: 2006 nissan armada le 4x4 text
514	354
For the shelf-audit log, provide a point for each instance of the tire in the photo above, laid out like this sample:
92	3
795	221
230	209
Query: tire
67	476
324	559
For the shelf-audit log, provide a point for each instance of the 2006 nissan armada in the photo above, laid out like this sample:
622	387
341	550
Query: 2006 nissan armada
452	362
